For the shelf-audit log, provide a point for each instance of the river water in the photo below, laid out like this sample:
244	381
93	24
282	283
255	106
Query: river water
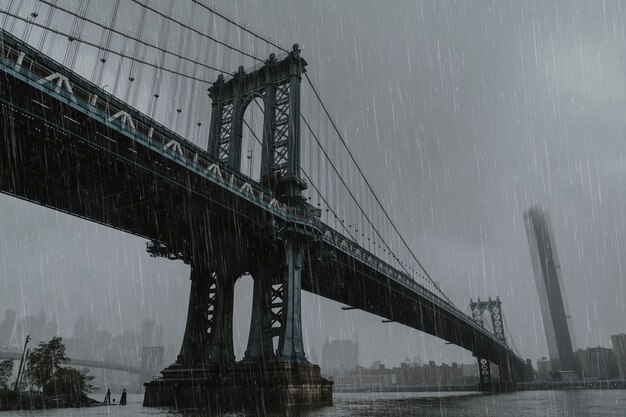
521	404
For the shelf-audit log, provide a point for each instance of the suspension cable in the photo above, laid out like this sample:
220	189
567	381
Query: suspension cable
132	38
506	325
307	177
182	24
58	32
230	20
332	164
349	192
358	167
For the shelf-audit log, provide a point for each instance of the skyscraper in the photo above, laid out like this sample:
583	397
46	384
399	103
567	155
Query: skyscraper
619	349
552	297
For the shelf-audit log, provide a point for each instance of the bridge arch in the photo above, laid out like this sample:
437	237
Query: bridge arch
252	132
278	84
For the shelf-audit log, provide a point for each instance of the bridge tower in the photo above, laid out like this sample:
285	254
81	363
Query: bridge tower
276	300
274	368
494	307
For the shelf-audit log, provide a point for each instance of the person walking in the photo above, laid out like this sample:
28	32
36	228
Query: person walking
107	398
123	397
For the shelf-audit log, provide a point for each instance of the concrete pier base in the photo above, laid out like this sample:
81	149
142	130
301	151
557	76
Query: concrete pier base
252	387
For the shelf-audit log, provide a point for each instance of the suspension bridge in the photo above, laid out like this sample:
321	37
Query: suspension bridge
7	352
86	131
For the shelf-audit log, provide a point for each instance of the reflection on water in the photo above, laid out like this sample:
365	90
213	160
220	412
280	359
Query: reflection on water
520	404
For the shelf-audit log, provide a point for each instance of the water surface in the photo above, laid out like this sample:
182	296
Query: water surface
609	403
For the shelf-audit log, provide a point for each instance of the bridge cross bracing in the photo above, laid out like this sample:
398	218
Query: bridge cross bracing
318	253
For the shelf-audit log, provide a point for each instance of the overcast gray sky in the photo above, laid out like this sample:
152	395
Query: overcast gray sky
462	115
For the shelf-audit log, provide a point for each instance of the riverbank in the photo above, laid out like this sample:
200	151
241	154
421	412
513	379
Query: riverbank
31	400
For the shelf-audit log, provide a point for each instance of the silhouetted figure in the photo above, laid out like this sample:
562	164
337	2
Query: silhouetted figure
107	398
123	397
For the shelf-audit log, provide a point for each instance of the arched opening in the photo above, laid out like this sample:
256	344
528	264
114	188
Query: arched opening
252	138
242	314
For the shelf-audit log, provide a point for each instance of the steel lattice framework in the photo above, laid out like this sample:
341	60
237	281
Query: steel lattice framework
277	84
478	309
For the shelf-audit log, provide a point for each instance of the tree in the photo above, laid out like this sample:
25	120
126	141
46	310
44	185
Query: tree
45	360
70	382
6	370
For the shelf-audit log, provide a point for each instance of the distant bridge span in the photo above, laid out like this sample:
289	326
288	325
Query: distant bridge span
16	356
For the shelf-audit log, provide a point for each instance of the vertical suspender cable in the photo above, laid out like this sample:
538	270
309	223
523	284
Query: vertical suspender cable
103	53
28	28
133	74
79	32
6	18
44	33
156	80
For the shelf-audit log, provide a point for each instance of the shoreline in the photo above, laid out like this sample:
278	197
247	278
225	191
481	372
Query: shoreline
31	400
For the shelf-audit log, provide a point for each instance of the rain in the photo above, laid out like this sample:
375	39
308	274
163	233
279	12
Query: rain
376	197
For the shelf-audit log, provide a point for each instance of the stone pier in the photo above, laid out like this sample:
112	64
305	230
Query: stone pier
274	372
244	387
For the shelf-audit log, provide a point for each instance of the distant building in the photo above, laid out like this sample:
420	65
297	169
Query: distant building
407	375
339	356
6	327
552	296
619	350
151	333
597	363
35	326
544	368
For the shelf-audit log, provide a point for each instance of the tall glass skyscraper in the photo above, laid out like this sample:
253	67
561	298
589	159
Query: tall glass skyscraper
552	297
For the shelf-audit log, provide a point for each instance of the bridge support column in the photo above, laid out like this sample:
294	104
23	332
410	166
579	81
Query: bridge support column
220	338
282	378
206	354
260	347
484	374
192	351
290	345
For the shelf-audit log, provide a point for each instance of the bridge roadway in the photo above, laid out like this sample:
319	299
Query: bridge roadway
82	362
68	145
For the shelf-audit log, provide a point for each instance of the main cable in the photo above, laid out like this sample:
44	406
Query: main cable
332	164
358	167
182	24
213	10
